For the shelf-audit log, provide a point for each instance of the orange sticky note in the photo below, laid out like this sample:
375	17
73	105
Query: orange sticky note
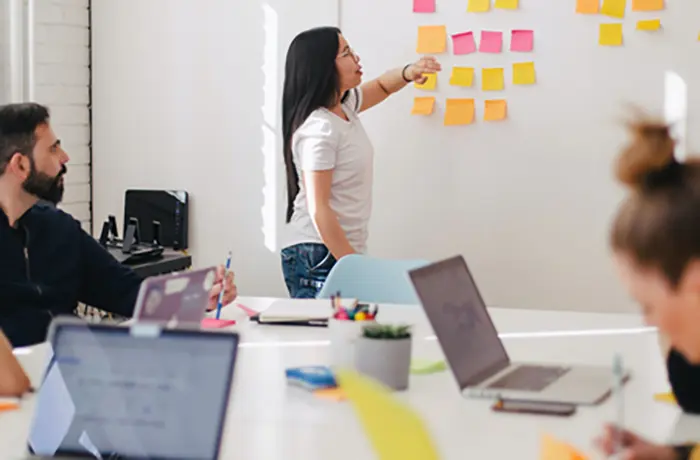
332	394
423	105
587	6
478	6
459	112
553	449
647	5
495	109
8	405
431	39
614	8
610	35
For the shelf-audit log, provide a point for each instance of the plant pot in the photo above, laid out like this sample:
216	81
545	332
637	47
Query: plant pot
385	360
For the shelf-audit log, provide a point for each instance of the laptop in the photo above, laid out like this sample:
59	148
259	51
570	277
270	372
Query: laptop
176	298
139	391
475	354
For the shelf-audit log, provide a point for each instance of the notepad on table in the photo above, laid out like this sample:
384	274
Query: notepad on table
299	310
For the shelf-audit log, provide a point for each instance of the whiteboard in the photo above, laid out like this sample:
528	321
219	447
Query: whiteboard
527	201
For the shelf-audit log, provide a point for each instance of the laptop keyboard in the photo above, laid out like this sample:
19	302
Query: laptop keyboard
529	378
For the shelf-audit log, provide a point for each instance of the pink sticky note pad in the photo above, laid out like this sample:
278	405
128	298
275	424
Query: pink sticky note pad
423	6
213	323
521	40
463	43
246	310
490	42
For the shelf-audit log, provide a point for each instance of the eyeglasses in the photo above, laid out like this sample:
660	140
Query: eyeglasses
348	52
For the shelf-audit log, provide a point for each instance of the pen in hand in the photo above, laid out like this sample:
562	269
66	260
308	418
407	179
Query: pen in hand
618	376
223	286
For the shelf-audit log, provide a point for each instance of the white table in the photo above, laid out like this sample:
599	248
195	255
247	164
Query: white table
269	420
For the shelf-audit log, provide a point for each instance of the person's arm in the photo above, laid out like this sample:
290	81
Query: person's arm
377	90
13	380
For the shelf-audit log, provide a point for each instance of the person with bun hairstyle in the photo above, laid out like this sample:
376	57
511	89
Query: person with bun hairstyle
655	239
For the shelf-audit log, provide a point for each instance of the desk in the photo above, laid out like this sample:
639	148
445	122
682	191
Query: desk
268	420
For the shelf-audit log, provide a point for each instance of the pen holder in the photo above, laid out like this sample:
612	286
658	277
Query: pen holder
385	355
343	337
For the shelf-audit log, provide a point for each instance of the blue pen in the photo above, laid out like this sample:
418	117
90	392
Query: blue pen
223	286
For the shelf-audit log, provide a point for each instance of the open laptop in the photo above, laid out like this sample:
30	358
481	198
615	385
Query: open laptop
137	391
476	355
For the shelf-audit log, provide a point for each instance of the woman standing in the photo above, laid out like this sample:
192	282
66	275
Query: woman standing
327	154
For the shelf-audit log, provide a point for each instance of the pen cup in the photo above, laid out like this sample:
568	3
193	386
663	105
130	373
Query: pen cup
343	337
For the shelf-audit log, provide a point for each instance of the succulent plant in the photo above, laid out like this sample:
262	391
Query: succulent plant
386	331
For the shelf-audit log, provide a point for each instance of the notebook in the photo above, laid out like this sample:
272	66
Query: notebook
300	310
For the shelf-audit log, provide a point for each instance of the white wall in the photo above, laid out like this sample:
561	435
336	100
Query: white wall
186	94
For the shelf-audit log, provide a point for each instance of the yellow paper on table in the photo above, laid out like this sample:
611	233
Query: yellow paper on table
614	8
665	397
462	76
492	79
647	5
649	24
610	35
423	105
495	110
459	112
553	449
507	4
430	82
395	431
524	73
587	6
431	39
478	6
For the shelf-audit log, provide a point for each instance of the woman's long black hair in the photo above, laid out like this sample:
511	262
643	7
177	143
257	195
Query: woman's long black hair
311	81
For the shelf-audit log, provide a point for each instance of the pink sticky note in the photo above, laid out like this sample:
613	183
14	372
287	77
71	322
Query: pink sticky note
213	323
490	42
423	6
521	40
463	43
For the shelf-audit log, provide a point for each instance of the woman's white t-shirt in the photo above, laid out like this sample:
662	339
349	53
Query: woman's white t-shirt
326	141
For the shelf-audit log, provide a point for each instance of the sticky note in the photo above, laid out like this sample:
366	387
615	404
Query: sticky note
490	42
462	76
463	43
587	6
423	105
430	82
553	449
459	112
495	109
431	39
492	79
420	366
610	35
395	431
213	323
649	24
332	394
665	397
507	4
647	5
423	6
614	8
478	6
524	73
522	40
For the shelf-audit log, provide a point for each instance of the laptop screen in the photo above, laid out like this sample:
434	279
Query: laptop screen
110	394
459	318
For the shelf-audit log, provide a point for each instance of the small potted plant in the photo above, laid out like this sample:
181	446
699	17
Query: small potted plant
383	352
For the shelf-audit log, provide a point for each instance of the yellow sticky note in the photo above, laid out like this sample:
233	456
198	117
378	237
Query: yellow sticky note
423	105
524	73
665	397
587	6
647	5
495	109
649	24
459	112
492	79
431	39
462	76
610	35
430	82
614	8
553	449
507	4
478	6
395	431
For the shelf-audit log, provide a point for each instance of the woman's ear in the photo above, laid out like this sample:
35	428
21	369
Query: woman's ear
13	380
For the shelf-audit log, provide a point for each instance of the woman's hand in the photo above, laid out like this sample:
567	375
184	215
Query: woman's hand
229	286
633	447
416	72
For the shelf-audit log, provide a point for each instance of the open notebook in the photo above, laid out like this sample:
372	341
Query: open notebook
286	311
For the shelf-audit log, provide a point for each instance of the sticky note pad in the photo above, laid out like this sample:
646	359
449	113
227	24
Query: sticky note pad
431	39
490	41
522	40
462	76
507	4
423	6
665	397
423	105
610	35
649	24
394	430
459	112
478	6
492	79
614	8
430	82
647	5
587	6
495	109
553	449
524	73
213	323
463	43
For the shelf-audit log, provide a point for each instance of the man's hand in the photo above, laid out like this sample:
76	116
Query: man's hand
230	290
633	447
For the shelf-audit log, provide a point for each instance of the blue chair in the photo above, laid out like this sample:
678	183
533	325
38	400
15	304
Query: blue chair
374	280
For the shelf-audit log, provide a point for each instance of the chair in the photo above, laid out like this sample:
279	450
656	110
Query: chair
374	280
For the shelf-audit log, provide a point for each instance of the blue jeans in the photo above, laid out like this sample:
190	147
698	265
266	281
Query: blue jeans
306	267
